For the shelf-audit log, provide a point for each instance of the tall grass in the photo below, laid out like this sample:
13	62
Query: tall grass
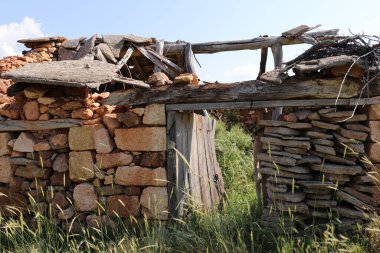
235	229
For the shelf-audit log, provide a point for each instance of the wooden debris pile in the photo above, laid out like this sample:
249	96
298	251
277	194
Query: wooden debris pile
315	169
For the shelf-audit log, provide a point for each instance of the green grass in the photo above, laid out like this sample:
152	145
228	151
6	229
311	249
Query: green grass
235	229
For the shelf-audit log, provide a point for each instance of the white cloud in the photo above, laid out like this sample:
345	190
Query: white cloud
242	72
10	33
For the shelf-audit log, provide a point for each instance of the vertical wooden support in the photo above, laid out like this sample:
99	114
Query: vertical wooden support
278	58
189	59
194	175
159	50
263	60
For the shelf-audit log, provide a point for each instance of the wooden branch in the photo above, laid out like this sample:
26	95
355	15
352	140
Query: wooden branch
125	59
251	44
271	104
157	62
189	62
131	82
263	62
24	125
160	51
242	91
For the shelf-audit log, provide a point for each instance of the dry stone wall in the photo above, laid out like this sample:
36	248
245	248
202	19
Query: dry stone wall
315	168
111	165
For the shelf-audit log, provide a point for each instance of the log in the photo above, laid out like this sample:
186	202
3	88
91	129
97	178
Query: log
250	44
22	125
160	51
189	63
241	91
166	61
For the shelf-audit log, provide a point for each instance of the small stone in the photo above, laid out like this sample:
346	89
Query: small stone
6	170
111	171
35	92
140	176
32	172
31	110
106	161
94	221
324	125
5	148
60	201
61	163
72	105
290	117
105	109
153	159
138	111
81	166
141	139
103	141
44	109
45	100
374	112
59	141
66	214
100	174
60	179
44	116
158	79
108	179
42	146
25	143
186	78
83	113
96	182
154	203
85	199
154	115
59	113
122	206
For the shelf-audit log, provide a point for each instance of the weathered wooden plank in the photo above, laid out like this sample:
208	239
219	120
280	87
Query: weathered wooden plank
271	104
131	82
166	61
123	61
277	58
194	176
237	92
156	62
160	51
189	62
23	125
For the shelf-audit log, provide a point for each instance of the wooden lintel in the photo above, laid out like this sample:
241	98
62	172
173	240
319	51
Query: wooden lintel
24	125
272	104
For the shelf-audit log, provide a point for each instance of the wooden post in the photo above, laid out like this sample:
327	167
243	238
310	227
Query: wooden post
278	58
159	50
189	62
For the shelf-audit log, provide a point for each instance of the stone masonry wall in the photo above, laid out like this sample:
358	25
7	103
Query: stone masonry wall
113	165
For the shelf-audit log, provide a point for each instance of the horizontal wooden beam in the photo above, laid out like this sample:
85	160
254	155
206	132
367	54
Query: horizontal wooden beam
251	44
24	125
271	104
237	92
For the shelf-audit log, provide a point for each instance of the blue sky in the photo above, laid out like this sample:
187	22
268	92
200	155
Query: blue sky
193	21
